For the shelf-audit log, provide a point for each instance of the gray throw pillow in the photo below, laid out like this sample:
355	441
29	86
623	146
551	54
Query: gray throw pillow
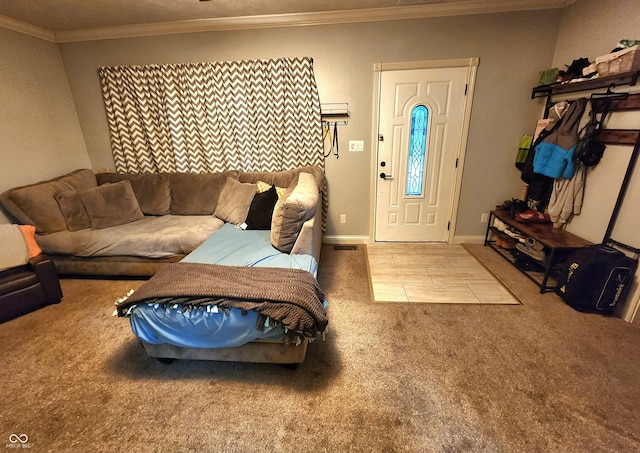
235	200
296	206
73	210
197	193
36	204
111	204
151	190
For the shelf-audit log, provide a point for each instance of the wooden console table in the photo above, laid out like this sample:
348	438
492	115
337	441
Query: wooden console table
557	242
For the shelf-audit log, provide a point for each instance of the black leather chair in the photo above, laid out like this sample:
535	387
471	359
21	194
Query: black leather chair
24	289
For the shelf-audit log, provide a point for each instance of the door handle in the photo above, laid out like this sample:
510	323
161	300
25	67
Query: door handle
385	176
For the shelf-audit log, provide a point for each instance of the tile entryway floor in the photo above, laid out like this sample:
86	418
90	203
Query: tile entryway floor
431	273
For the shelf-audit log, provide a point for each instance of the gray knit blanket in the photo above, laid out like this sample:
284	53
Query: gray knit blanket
291	297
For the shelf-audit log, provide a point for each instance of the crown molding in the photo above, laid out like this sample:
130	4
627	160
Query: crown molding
285	20
26	29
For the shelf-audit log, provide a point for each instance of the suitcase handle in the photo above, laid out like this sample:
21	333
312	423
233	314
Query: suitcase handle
616	245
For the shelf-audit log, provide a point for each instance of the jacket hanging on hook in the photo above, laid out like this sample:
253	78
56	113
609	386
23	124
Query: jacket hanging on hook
554	155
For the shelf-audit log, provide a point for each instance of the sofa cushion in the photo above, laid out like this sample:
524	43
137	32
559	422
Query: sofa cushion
261	210
296	206
166	236
73	210
36	205
235	200
151	190
111	204
197	193
282	178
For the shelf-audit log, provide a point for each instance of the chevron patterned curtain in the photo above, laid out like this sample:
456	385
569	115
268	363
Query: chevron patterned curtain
258	115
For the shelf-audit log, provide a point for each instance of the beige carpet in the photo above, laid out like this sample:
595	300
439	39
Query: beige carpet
432	274
536	377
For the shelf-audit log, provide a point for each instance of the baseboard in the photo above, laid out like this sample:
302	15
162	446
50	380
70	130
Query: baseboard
353	239
345	239
468	240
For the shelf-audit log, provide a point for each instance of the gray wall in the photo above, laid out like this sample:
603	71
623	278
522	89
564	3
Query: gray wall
40	136
512	49
591	28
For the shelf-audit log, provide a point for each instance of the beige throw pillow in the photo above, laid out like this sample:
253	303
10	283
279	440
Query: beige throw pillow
297	205
235	200
111	204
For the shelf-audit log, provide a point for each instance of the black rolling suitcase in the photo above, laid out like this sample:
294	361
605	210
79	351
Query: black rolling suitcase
597	278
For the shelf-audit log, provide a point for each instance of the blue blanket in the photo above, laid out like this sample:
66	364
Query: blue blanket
229	246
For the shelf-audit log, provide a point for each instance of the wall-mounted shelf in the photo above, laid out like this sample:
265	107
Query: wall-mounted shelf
335	112
625	79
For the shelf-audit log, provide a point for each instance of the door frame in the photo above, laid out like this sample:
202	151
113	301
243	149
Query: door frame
472	67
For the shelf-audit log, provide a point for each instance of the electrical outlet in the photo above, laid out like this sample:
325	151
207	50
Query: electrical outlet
343	218
356	146
484	218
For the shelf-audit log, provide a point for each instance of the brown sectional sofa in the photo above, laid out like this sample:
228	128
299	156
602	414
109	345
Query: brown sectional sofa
110	224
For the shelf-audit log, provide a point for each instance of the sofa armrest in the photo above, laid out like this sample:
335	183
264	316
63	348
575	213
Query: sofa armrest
45	270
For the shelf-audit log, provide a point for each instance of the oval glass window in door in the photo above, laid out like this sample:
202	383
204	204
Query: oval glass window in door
417	150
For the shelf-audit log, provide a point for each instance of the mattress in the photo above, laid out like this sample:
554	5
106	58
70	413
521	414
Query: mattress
210	327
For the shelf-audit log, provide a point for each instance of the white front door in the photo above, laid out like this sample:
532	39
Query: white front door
420	130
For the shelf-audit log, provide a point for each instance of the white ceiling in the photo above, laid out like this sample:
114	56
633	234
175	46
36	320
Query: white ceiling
74	20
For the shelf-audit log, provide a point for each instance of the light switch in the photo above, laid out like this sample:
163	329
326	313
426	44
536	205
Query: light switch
356	146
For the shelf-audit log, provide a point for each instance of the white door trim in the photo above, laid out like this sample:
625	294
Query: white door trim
427	64
471	63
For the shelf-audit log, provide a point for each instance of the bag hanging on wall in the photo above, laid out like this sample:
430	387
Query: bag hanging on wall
592	153
588	150
523	150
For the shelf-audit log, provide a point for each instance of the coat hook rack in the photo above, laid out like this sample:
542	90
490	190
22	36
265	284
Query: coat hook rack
335	112
609	94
